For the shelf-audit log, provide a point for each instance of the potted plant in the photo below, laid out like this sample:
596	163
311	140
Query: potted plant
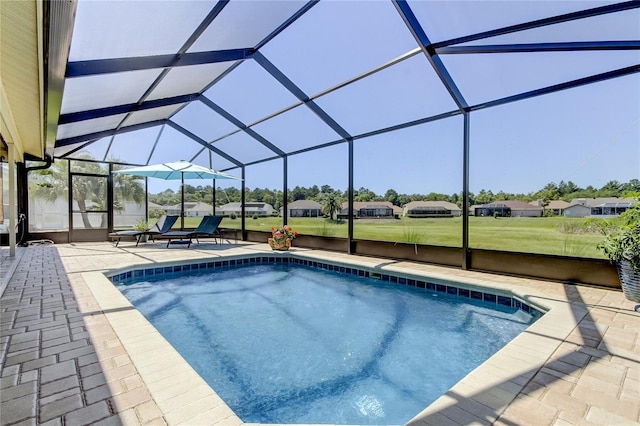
281	238
141	226
622	247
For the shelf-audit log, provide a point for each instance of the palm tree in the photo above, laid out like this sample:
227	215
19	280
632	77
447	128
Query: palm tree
126	188
331	204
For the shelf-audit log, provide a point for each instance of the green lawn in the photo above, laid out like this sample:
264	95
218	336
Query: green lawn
529	235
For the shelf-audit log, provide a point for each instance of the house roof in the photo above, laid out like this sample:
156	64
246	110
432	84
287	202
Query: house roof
248	206
191	206
627	205
304	204
358	205
553	204
594	202
557	204
432	204
21	77
512	204
577	206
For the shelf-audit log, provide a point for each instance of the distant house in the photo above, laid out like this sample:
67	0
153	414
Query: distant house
598	207
510	208
577	210
251	209
610	209
304	208
371	210
431	209
191	209
555	206
154	206
472	209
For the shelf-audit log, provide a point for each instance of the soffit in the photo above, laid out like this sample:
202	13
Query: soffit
20	78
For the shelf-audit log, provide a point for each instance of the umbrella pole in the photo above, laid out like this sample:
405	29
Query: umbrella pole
182	204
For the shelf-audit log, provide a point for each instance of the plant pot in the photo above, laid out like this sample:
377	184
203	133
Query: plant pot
279	245
630	281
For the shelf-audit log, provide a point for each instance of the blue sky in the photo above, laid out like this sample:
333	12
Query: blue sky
589	135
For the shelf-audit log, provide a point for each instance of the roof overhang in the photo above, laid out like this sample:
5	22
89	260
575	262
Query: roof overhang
21	77
34	43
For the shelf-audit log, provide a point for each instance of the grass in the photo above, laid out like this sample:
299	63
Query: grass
548	235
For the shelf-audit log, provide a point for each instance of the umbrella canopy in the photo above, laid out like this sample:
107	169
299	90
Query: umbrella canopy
177	170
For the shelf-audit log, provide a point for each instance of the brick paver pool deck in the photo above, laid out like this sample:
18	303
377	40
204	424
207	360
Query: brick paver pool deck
74	352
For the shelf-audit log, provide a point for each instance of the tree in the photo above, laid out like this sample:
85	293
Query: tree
484	197
326	189
89	192
126	188
501	195
613	188
391	196
403	199
632	186
296	194
269	199
312	192
331	204
278	200
363	194
567	188
165	198
227	195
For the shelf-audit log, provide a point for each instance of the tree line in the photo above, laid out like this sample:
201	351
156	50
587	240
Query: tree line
562	191
52	183
90	192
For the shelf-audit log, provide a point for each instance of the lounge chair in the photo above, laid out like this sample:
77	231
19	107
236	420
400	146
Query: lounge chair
163	225
208	227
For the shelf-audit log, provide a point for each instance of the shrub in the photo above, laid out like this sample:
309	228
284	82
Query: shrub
141	225
156	213
573	228
411	235
324	230
623	243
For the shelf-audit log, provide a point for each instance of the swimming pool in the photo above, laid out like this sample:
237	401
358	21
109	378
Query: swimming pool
371	358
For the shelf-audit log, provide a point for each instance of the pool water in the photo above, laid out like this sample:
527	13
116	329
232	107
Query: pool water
295	344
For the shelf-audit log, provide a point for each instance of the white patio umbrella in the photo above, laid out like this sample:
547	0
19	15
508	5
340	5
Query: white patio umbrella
177	170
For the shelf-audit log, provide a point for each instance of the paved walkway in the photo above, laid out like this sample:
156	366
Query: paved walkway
69	357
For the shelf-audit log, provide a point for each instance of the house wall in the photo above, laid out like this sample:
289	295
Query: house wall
375	212
47	216
608	211
54	216
248	213
198	213
526	213
431	212
577	211
490	211
305	213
